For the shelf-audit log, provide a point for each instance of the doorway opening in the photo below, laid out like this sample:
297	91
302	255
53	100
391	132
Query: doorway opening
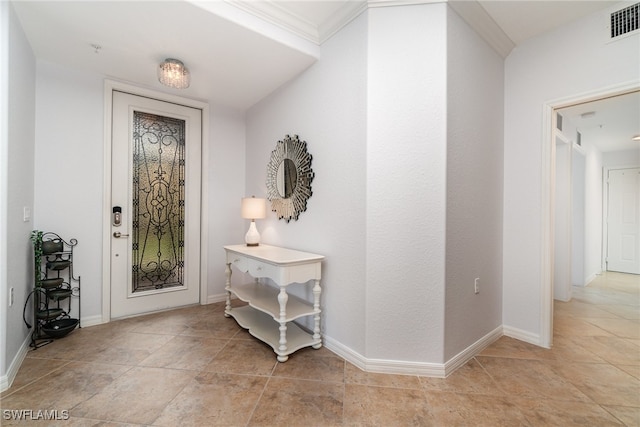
571	252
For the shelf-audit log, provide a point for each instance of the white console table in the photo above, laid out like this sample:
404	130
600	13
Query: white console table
271	311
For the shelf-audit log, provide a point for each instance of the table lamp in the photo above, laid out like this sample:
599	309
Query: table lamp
253	208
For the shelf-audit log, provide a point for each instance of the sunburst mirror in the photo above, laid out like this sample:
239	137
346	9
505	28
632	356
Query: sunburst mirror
289	177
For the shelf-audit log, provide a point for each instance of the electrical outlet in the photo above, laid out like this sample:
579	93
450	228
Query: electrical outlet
476	285
10	297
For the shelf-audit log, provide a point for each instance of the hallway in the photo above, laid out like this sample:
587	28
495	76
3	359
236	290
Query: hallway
194	367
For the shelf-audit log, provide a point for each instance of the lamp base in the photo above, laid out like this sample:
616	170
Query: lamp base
252	238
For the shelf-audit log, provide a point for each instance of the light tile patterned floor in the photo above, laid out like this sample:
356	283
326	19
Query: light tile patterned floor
194	367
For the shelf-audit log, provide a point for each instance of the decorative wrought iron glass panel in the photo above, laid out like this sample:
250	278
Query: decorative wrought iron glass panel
158	202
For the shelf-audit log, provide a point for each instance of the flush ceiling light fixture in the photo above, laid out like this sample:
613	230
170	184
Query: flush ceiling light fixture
636	137
173	73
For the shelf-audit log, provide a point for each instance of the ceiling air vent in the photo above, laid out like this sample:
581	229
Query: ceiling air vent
624	20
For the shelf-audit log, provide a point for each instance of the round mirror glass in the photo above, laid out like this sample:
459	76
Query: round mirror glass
287	178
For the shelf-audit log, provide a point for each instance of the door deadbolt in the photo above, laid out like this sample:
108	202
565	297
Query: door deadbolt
117	216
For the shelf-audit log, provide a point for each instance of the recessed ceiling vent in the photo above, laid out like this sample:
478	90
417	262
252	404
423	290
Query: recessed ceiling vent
625	20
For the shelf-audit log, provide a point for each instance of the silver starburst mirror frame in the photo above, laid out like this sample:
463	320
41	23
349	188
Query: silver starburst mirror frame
289	177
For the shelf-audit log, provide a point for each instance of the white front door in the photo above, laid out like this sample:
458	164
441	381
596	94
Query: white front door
155	197
623	219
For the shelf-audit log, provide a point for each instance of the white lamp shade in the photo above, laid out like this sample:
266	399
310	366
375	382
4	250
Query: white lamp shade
253	208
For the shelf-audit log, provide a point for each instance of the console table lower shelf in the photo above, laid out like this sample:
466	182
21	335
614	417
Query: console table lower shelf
263	327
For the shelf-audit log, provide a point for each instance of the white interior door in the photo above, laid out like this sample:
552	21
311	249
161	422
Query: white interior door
155	191
623	219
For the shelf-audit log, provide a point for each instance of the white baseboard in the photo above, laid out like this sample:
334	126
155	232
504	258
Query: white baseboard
216	298
98	319
345	352
591	278
521	335
382	366
470	352
91	320
399	367
14	367
85	322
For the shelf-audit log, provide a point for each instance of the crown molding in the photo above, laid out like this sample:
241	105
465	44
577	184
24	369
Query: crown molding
274	13
340	19
270	11
390	3
472	12
477	17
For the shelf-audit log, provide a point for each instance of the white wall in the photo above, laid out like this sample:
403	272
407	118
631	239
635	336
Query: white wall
226	183
533	79
573	240
578	215
621	159
4	166
379	204
562	222
69	175
326	107
406	183
593	211
69	169
474	187
19	186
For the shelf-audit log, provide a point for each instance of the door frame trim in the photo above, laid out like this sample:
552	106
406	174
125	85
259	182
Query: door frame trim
109	87
548	194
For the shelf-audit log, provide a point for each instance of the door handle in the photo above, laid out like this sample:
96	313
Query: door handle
118	234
